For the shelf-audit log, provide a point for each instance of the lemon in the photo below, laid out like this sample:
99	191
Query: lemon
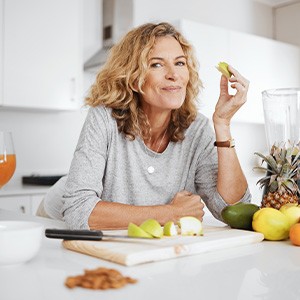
292	211
223	68
190	226
136	231
151	226
170	229
272	223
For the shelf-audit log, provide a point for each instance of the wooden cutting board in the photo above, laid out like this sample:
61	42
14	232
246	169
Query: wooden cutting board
131	252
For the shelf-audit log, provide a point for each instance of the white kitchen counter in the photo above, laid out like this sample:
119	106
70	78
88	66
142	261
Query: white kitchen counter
23	189
268	270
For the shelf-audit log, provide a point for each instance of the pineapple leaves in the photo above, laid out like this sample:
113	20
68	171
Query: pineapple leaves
269	160
263	169
264	181
283	168
291	186
273	186
296	159
260	155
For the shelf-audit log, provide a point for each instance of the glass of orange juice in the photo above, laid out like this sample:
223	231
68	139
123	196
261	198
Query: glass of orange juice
7	157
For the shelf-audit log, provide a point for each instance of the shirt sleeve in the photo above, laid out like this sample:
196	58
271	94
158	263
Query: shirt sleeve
206	175
84	187
54	198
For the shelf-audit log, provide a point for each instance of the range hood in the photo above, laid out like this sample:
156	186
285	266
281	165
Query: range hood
117	18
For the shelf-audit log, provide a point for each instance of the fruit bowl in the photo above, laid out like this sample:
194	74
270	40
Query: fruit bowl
20	241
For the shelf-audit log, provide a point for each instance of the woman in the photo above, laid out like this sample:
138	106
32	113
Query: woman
144	150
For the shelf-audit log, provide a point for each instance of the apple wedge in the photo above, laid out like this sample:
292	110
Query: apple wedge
136	231
223	68
190	226
152	227
170	229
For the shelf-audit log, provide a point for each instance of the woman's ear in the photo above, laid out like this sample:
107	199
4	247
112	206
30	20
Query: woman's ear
135	86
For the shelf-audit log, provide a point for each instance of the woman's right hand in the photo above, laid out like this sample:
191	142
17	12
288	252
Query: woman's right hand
186	203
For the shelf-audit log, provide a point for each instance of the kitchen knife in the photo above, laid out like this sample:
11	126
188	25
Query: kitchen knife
90	235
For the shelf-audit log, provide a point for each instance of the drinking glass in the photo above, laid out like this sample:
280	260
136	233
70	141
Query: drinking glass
7	157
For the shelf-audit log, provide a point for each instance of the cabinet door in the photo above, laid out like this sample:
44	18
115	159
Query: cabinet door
42	50
16	203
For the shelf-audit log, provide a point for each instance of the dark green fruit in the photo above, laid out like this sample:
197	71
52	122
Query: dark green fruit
239	215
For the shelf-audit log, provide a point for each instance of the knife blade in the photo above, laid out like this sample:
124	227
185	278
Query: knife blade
82	234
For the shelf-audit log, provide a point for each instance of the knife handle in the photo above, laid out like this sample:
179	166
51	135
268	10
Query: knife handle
67	234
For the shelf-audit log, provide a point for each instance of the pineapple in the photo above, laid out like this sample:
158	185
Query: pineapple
283	171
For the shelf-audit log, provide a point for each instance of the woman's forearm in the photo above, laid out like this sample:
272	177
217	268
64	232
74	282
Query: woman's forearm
111	215
231	183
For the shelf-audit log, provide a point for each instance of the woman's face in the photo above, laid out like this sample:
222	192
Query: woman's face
167	77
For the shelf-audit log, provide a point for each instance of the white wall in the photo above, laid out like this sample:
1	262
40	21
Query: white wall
45	141
246	15
250	138
287	24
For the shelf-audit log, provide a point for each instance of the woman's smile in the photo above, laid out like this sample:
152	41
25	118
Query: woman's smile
172	88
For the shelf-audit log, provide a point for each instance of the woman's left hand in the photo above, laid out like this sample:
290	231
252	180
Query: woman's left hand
227	104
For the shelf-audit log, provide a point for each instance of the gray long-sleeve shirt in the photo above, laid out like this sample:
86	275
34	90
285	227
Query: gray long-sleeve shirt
108	166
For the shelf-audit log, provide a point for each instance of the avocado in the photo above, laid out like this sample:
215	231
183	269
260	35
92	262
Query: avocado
239	215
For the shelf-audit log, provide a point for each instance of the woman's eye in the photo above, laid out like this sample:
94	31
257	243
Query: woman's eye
180	63
155	65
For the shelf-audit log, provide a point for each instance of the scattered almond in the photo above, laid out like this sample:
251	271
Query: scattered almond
100	278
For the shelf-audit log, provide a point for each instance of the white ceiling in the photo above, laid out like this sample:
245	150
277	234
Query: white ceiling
277	3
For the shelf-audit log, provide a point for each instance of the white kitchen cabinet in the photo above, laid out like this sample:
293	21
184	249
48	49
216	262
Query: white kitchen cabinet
265	62
16	203
26	203
42	67
22	198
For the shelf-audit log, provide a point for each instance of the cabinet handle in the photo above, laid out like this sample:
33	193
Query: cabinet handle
22	209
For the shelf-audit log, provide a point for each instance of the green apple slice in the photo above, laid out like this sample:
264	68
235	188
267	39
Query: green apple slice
136	231
151	226
170	229
190	226
223	68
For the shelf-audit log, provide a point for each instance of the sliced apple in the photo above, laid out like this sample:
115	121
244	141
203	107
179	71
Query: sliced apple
170	229
223	68
190	226
136	231
151	226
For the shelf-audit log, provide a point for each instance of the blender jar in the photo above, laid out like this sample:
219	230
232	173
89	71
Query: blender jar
282	115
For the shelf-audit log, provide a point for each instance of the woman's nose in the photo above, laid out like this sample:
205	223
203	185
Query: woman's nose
171	73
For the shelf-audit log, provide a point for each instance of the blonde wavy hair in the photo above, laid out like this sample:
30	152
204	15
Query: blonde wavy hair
126	69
